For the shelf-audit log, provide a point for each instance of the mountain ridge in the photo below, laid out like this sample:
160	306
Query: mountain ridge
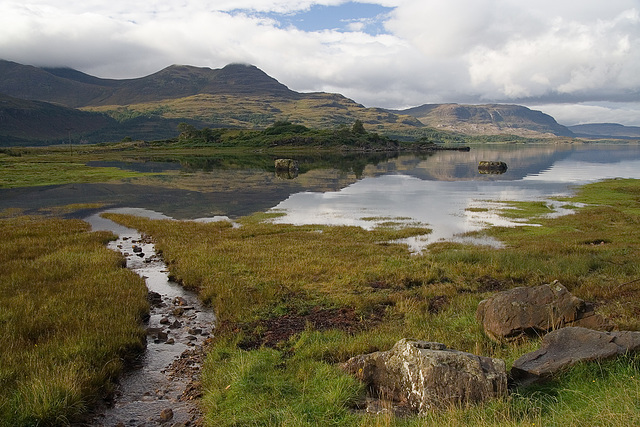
243	96
487	118
606	130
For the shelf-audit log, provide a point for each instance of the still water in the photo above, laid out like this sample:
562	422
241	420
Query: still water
446	190
438	190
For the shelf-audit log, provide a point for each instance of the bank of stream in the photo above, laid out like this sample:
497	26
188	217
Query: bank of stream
163	388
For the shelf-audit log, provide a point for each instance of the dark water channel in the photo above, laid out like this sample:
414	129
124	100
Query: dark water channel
161	390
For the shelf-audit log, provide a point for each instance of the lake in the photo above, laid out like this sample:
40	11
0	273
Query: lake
439	189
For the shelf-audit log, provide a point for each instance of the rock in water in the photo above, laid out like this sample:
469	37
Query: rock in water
166	415
565	347
492	167
286	165
426	375
286	168
534	311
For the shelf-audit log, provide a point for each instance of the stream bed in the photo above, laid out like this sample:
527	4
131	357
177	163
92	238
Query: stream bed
163	388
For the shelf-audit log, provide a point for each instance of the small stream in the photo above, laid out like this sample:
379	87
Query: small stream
162	390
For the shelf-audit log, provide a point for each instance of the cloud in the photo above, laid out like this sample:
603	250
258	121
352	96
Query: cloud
473	51
568	57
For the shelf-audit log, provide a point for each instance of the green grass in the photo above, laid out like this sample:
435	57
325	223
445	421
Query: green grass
65	327
371	293
25	174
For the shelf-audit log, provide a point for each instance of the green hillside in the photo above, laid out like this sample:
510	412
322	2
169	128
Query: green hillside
24	122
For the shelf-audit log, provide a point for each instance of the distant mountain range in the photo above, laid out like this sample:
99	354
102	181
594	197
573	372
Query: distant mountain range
55	104
606	130
493	119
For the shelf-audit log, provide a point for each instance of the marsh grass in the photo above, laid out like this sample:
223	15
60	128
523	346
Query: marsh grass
263	274
70	314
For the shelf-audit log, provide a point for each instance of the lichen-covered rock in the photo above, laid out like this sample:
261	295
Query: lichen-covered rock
286	165
492	167
535	310
425	375
565	347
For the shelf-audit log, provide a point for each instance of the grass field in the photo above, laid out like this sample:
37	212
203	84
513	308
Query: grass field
70	317
294	301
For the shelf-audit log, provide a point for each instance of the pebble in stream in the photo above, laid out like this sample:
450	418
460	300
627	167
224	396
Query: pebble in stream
164	388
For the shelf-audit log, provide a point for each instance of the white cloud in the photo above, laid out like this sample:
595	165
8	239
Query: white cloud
568	57
539	52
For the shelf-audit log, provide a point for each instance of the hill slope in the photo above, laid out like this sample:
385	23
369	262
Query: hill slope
491	119
23	121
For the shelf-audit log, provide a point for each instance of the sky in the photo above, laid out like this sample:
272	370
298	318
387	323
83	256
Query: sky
576	60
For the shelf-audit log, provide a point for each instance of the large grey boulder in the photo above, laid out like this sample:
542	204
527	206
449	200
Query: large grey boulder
565	347
535	311
426	375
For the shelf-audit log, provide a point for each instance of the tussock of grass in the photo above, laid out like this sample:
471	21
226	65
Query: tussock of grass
62	318
263	272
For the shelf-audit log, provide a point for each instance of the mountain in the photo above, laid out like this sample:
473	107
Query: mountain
23	121
75	89
606	130
37	84
491	119
236	96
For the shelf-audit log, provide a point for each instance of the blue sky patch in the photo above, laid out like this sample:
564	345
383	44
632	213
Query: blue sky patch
351	16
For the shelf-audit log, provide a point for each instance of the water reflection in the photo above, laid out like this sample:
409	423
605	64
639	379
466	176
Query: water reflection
451	199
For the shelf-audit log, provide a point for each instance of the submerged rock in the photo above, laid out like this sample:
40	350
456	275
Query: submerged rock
535	311
166	415
426	375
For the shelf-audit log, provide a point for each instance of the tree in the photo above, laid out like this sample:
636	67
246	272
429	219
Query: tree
358	128
187	131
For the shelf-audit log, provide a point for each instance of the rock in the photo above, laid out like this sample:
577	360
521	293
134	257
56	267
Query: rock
154	298
492	167
534	311
166	415
179	301
425	375
565	347
286	165
175	325
136	249
286	168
